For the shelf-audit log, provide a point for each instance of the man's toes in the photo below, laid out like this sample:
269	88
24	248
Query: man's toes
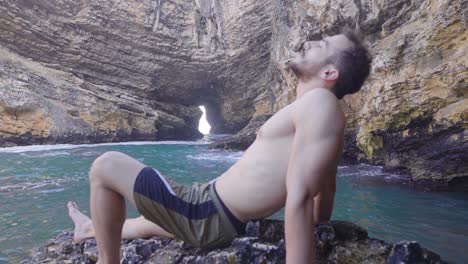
72	205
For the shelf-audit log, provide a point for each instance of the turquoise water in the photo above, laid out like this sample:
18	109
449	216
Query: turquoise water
36	182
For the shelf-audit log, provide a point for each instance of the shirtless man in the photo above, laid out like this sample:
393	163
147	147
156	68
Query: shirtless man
291	164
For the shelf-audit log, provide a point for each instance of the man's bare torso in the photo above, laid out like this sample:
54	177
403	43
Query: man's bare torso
255	186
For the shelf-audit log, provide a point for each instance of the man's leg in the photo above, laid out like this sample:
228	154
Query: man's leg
111	178
132	229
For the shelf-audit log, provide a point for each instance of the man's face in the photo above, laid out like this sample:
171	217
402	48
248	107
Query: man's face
312	56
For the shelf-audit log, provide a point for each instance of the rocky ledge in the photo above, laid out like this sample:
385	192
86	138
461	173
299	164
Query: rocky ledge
338	242
244	138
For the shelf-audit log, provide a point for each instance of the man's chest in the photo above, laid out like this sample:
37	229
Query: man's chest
279	125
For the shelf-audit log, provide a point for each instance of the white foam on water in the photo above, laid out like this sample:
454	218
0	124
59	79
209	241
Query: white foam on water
364	165
52	190
394	177
370	173
342	174
55	183
210	138
368	170
47	154
217	155
31	148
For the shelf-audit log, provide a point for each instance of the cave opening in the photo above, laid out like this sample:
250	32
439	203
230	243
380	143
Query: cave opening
203	126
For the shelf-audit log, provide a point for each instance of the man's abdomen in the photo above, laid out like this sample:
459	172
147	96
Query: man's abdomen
255	187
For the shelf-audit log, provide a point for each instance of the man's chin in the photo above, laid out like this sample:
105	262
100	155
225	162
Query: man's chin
294	67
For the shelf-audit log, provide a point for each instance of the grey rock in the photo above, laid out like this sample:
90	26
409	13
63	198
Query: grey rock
337	242
412	252
244	138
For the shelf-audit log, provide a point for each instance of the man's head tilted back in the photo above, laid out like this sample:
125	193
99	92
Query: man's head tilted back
340	62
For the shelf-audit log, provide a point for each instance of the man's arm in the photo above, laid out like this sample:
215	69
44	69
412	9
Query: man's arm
314	153
323	202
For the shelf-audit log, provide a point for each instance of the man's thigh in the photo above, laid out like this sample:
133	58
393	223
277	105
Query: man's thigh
118	172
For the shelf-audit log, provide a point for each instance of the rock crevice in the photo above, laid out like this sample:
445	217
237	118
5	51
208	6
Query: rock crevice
337	242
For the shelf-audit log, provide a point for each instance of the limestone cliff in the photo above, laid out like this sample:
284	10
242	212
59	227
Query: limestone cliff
413	111
79	71
112	70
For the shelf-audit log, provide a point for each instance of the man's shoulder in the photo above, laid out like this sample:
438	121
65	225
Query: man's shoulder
319	107
318	102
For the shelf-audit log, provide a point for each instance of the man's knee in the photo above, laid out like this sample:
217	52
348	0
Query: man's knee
102	166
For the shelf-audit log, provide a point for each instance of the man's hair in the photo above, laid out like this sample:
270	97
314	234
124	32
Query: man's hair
353	65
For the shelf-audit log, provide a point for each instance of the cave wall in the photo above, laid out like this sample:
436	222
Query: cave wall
95	71
412	112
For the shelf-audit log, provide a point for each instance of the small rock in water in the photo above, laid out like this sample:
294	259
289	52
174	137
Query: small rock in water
412	252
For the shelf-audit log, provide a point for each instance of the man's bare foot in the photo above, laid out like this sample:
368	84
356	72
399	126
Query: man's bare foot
83	224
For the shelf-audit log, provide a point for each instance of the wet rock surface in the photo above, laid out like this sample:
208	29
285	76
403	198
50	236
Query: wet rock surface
337	242
244	138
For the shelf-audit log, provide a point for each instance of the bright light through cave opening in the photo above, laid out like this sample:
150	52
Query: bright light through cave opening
203	126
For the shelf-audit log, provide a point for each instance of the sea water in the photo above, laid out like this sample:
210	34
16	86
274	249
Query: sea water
37	181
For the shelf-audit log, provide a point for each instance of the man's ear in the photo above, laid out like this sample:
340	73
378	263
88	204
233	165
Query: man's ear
329	73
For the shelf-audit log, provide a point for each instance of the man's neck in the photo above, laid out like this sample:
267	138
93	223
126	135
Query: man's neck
306	86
